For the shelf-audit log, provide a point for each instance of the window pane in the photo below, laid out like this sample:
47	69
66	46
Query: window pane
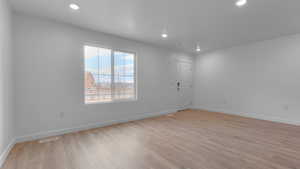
105	76
97	74
106	80
91	71
124	75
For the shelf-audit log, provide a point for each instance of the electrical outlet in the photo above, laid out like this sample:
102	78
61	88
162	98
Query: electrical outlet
286	107
61	115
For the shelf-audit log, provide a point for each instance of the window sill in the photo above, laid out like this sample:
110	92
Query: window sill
111	102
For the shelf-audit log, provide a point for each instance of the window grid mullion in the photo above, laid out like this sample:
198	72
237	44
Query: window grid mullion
98	75
134	76
112	75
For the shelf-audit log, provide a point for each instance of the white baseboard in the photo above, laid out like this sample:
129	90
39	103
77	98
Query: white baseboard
259	116
4	154
45	134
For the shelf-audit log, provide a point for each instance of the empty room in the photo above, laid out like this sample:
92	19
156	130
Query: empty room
149	84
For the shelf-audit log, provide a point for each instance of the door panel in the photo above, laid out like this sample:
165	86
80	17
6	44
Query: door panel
184	77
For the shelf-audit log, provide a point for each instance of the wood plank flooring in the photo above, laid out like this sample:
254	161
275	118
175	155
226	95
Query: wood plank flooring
186	140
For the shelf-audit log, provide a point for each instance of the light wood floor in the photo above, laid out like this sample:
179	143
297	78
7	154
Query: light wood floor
189	139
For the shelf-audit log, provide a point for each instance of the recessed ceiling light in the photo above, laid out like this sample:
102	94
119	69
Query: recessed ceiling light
74	7
164	35
241	3
198	49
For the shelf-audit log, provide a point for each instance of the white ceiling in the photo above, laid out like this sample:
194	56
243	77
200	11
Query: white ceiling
213	24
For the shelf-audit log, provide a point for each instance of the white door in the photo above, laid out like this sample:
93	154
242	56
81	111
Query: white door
184	83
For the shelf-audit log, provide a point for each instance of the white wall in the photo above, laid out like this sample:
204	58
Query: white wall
49	77
260	80
6	85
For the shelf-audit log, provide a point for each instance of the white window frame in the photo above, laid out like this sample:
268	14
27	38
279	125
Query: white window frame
113	100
